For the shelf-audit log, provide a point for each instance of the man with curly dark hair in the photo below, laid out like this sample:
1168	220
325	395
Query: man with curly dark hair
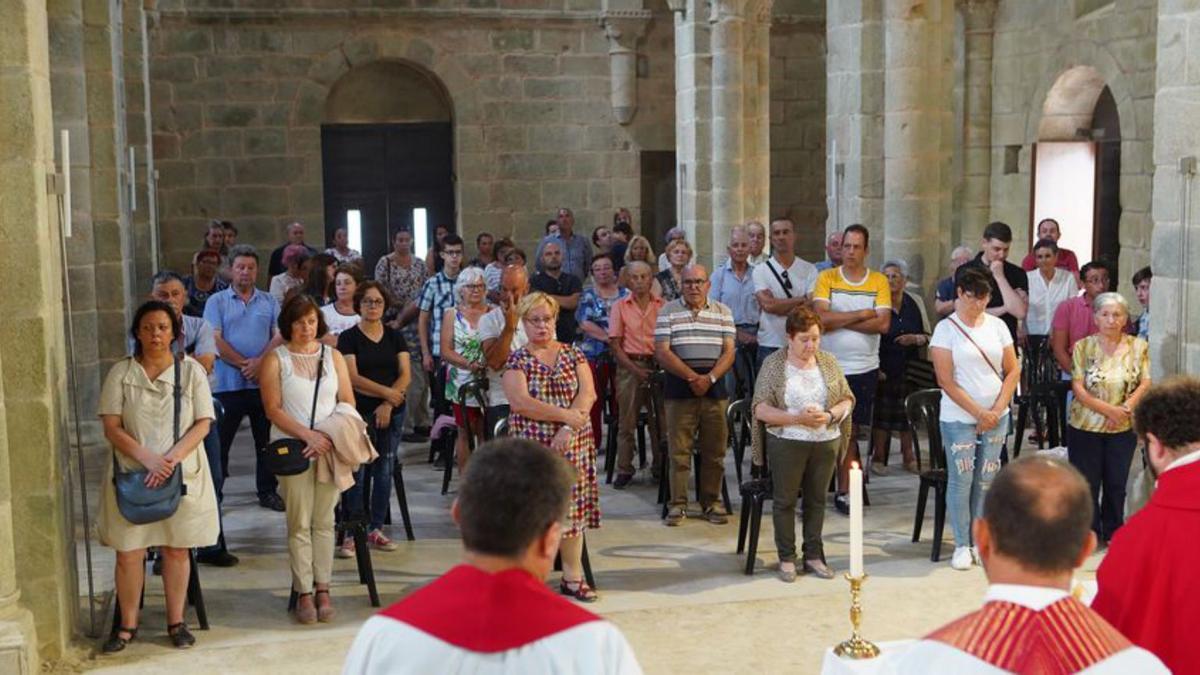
1148	587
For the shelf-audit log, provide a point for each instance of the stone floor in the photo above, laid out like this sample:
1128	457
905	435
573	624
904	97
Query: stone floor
678	594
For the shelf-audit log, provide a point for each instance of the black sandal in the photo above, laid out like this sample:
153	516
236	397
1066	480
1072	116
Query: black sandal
181	637
582	592
116	643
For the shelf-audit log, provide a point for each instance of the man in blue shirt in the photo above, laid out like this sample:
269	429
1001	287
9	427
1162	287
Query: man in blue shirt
833	249
576	250
243	320
733	286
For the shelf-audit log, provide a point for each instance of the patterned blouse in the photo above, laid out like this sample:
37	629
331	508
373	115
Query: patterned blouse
670	289
405	284
594	308
1110	378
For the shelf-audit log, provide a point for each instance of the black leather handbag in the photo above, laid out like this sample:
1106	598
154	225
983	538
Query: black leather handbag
140	504
285	456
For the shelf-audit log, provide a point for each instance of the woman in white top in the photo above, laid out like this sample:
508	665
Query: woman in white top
288	381
462	351
1049	286
340	315
804	399
341	249
137	410
977	370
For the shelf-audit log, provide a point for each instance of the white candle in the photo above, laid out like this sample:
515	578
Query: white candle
856	521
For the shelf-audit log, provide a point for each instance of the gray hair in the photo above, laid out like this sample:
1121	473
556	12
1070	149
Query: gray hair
1110	298
676	233
960	252
164	277
898	264
243	251
465	278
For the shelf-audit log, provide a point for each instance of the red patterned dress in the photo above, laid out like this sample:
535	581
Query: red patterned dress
557	386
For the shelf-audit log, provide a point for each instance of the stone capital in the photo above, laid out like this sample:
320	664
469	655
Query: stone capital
729	10
978	15
624	28
677	6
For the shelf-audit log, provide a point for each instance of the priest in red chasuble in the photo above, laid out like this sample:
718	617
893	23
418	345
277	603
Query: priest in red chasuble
1150	579
1035	530
494	613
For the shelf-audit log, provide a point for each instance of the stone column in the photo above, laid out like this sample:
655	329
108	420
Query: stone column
728	151
912	137
143	221
693	107
756	113
624	29
979	17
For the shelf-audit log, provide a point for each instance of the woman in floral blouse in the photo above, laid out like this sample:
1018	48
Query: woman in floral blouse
1110	372
592	316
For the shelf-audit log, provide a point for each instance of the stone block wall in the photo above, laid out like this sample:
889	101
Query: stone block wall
1034	43
237	107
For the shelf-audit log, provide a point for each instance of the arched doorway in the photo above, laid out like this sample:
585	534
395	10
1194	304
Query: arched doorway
387	156
1077	165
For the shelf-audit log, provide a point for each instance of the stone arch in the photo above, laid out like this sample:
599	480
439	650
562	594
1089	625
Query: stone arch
1090	55
388	91
1069	104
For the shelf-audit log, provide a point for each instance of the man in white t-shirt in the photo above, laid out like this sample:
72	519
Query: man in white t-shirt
855	306
782	283
500	334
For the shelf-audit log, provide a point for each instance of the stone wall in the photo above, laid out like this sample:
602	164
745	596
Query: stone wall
1034	43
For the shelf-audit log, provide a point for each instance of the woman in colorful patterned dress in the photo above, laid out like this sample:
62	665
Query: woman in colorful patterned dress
550	391
462	352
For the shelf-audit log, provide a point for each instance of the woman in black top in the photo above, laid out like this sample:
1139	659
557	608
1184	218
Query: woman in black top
377	358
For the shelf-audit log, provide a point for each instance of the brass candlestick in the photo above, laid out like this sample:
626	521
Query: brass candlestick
856	647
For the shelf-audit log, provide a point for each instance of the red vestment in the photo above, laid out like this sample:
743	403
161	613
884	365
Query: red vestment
1148	580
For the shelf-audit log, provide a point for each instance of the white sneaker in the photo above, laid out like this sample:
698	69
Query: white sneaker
962	558
975	555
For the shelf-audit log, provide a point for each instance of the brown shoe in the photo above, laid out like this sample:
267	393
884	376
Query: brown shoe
305	612
325	610
818	569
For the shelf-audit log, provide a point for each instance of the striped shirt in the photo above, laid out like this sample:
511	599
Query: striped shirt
698	338
857	352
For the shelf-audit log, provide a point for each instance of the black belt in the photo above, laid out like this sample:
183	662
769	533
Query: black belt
639	357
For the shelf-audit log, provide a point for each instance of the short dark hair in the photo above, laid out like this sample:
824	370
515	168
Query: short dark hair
451	239
1046	243
146	308
481	235
296	307
163	277
801	319
856	227
596	234
552	221
242	251
352	269
316	285
603	256
1099	264
973	280
1141	275
512	491
623	227
1039	512
362	291
228	225
1169	411
998	231
517	250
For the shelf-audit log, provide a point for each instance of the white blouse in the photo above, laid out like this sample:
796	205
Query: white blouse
805	387
1045	297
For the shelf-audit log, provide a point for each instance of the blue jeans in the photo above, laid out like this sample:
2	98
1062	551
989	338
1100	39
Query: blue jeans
386	443
972	460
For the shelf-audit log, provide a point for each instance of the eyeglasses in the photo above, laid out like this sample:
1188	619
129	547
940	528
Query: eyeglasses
453	253
967	295
539	320
474	287
694	282
371	302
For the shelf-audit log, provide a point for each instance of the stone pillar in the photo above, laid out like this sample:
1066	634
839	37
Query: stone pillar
728	150
1175	243
624	29
756	112
979	17
142	217
36	569
912	135
693	107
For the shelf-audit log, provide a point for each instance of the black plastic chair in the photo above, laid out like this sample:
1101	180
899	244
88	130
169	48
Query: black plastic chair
397	484
738	420
1038	399
922	409
755	492
587	564
353	523
195	596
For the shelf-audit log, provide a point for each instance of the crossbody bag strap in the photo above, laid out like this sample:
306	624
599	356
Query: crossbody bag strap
178	397
312	418
977	347
778	278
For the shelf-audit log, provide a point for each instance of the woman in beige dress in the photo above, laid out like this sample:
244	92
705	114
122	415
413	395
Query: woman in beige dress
137	410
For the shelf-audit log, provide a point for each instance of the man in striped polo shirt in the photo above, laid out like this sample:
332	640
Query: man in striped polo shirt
693	342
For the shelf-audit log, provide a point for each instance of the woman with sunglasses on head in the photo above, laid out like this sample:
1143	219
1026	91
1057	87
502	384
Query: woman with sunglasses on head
978	371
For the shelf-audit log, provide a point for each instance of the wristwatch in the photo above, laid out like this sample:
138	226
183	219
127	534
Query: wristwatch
712	379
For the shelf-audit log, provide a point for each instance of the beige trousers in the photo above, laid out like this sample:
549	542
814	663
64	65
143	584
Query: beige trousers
310	505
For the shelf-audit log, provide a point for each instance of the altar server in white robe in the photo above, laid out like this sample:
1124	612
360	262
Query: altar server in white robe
494	613
1035	530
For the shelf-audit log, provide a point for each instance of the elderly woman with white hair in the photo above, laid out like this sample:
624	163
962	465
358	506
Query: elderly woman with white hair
1110	373
462	352
674	234
907	334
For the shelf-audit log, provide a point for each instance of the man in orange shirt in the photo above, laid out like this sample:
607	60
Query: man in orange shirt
631	336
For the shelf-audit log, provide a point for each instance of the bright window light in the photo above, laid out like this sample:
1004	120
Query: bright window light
420	232
354	229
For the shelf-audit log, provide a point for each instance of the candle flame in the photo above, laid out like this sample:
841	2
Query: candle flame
854	465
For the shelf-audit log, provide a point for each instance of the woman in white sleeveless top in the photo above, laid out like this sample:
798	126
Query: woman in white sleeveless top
288	379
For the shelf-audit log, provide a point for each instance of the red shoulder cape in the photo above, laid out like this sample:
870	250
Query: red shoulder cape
1065	637
487	613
